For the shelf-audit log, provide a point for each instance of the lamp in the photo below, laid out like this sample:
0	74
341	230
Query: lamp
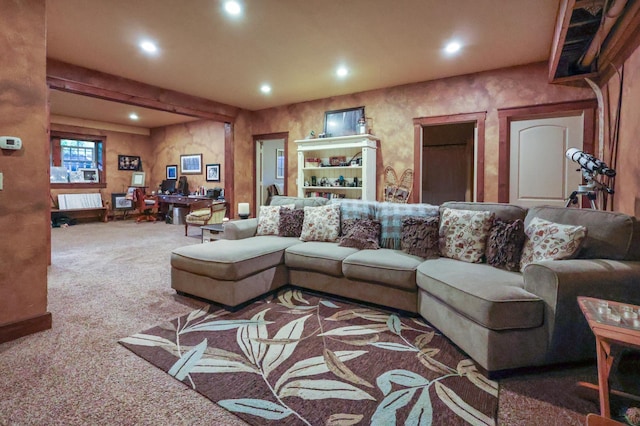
243	210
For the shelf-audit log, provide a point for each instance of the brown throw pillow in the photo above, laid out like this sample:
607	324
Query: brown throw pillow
504	245
290	224
361	234
420	236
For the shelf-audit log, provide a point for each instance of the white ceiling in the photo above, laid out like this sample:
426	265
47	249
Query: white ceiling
294	45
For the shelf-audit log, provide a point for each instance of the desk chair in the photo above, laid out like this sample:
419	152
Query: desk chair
145	206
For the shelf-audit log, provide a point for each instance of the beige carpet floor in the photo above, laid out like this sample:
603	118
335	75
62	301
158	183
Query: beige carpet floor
108	281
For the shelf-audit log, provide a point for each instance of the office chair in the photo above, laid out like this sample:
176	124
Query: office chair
145	206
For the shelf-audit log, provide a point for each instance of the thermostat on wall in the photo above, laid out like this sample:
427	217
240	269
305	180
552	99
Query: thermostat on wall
10	142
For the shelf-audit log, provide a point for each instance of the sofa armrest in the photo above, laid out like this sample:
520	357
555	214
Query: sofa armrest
560	282
240	229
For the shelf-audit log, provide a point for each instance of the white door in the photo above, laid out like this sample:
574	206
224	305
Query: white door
540	173
266	168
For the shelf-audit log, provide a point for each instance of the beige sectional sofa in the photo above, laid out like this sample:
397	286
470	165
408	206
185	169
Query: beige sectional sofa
501	319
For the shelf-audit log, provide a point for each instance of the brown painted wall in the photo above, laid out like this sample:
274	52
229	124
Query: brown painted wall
393	110
24	201
117	143
196	137
627	164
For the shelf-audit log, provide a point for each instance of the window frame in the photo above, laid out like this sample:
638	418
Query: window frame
55	149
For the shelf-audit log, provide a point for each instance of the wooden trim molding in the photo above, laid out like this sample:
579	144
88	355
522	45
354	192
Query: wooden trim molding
418	123
84	81
22	328
268	136
229	169
507	115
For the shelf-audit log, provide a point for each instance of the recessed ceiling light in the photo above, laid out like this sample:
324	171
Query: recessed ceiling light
342	71
148	46
265	88
133	116
452	47
233	7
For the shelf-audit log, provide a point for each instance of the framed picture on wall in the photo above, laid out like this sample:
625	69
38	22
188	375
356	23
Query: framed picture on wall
342	122
191	164
137	179
129	162
172	171
213	172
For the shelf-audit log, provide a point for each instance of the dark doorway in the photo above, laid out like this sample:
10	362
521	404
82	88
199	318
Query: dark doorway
447	162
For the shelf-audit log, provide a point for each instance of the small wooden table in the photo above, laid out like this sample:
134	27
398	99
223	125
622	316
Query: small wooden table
211	232
612	323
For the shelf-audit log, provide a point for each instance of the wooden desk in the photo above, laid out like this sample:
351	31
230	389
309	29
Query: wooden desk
610	327
179	200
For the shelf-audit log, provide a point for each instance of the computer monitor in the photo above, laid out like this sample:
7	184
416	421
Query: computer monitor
168	185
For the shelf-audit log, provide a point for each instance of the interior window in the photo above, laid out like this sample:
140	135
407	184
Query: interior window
77	160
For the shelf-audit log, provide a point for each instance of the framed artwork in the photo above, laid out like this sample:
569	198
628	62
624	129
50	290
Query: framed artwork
119	201
129	162
279	163
191	164
342	122
172	171
213	172
137	179
89	175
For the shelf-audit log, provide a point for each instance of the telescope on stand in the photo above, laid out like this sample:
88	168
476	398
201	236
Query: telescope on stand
590	167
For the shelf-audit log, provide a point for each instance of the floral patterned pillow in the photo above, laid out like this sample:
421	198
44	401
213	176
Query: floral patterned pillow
321	223
420	236
551	241
290	222
362	234
504	245
463	234
269	219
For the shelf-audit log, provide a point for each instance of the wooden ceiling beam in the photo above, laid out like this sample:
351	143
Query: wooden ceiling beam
84	81
562	26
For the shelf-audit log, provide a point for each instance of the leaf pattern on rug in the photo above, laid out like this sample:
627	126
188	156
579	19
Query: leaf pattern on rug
296	358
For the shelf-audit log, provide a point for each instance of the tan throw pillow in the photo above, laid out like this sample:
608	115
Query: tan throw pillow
321	223
420	236
463	234
269	219
551	241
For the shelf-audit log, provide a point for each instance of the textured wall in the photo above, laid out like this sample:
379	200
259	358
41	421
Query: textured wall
24	201
117	143
627	165
393	110
196	137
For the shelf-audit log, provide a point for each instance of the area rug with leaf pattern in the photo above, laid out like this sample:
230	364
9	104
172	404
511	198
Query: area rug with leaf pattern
299	358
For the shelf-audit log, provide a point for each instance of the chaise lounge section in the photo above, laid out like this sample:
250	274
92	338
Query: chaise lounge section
502	319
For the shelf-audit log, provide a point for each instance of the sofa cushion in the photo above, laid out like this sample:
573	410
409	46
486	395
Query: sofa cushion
318	256
290	222
321	223
504	244
493	298
232	260
550	241
420	236
390	216
269	219
610	234
298	202
463	234
362	234
392	267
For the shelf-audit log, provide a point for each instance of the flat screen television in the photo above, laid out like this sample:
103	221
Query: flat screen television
168	185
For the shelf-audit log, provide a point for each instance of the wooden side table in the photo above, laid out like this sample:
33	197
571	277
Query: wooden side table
212	232
612	323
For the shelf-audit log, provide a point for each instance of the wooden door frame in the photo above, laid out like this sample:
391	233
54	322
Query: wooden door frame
507	115
269	136
478	118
